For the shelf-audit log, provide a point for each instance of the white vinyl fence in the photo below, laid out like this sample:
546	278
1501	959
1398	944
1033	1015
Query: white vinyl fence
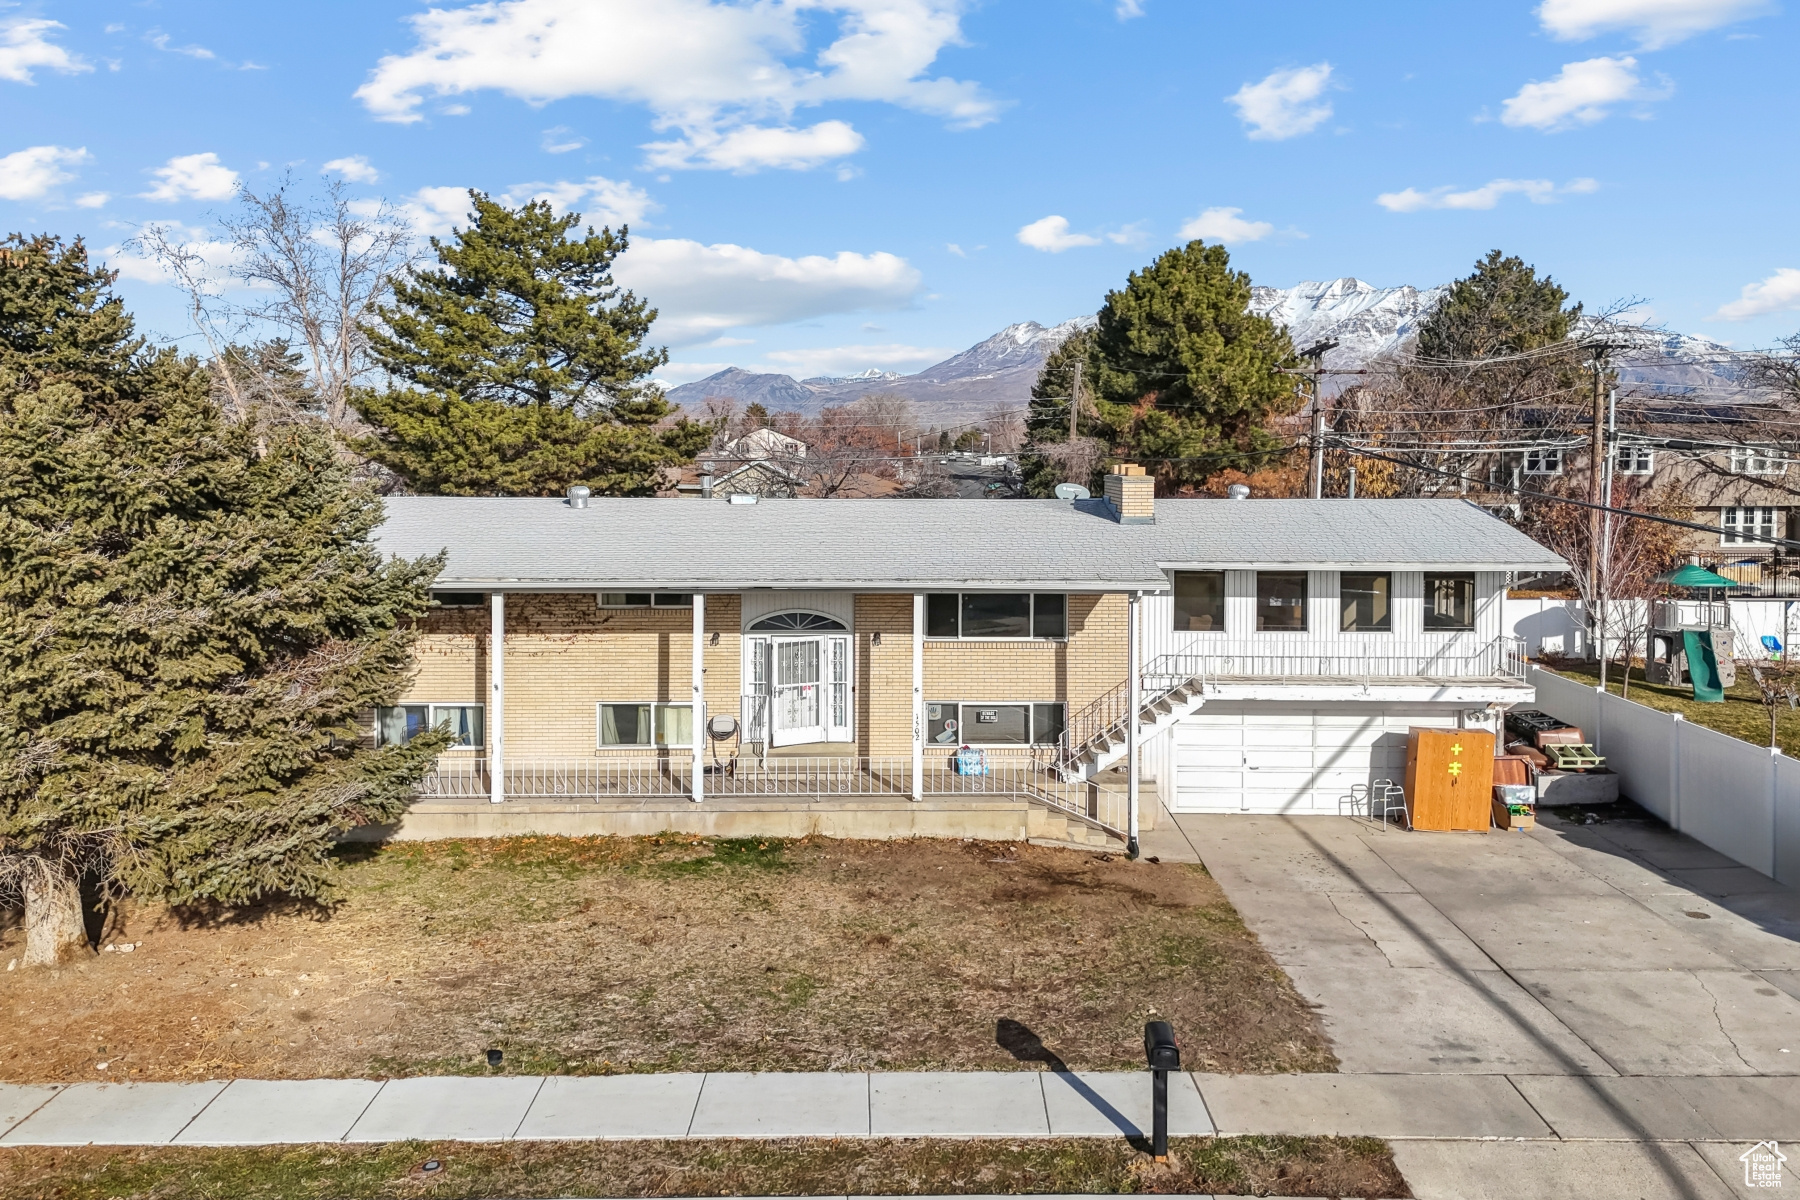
1560	626
1739	799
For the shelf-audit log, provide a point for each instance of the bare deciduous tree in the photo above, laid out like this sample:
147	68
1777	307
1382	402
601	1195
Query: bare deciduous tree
324	267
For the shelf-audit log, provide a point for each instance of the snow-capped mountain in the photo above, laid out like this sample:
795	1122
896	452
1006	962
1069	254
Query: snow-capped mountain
1365	321
996	371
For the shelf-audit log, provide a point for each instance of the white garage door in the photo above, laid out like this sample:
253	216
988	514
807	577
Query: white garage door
1275	758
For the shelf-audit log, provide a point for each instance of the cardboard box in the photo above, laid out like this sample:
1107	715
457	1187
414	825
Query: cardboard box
1506	818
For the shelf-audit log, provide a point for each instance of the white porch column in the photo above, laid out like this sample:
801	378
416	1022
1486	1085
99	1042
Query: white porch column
918	697
496	712
699	710
1134	704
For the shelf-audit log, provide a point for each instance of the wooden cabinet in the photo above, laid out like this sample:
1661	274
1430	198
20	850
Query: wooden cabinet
1449	778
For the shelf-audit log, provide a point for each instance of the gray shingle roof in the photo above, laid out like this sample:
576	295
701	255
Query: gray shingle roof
1046	545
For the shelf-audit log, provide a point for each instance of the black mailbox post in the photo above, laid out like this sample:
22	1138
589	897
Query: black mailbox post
1163	1056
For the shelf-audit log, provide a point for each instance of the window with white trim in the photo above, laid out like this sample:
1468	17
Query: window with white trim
993	723
644	723
1757	460
1547	461
395	725
1635	460
646	600
1006	615
1747	525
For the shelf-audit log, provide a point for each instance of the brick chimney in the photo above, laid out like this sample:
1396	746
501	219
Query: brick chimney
1132	495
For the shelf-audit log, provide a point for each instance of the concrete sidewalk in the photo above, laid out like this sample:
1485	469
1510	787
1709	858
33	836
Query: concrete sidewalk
1016	1104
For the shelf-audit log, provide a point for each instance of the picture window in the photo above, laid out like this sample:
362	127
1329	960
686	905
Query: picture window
1199	601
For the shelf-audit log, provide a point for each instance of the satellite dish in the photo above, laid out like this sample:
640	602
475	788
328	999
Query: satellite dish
1072	491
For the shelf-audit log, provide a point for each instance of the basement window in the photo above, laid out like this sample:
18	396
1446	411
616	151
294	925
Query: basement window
993	723
1005	615
401	723
645	724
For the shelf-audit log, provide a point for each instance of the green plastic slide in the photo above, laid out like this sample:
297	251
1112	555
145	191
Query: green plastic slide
1703	667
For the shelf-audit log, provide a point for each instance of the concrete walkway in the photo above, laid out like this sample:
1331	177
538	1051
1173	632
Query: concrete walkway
1621	981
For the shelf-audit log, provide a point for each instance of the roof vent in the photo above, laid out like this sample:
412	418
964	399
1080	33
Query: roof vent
742	498
1238	491
1072	491
578	496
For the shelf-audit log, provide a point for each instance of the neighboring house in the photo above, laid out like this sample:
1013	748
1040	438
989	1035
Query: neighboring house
840	653
761	463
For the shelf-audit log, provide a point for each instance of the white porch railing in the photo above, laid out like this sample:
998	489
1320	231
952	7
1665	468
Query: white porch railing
1503	658
629	780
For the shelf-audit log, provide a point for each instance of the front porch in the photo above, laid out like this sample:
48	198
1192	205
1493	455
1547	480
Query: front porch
999	798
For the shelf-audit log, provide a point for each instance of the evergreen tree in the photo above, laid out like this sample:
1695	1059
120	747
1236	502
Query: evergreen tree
1501	308
525	366
1180	375
1049	458
190	624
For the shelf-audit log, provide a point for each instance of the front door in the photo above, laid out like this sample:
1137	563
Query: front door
799	701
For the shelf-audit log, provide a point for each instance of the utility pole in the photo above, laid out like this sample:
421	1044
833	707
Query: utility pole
1606	526
1317	354
1596	479
1074	400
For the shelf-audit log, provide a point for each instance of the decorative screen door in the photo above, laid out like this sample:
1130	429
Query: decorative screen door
799	700
837	692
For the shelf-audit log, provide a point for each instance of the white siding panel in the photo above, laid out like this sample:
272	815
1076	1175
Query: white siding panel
1286	758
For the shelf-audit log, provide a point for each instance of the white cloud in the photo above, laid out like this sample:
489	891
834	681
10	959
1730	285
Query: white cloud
1127	9
161	41
1052	234
193	177
1780	292
752	147
355	168
1581	95
560	140
92	199
1226	225
31	173
437	211
849	360
600	201
1285	104
1538	191
701	291
25	46
703	68
1656	23
213	268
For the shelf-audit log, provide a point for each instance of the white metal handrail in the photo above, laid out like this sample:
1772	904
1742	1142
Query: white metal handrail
1029	775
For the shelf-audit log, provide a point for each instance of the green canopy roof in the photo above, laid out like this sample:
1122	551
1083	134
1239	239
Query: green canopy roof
1692	576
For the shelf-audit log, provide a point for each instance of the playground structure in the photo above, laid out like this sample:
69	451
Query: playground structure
1690	641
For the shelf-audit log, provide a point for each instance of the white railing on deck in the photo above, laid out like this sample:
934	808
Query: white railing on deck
1503	657
1007	776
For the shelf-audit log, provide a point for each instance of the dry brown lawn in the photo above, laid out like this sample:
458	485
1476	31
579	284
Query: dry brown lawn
1245	1166
674	953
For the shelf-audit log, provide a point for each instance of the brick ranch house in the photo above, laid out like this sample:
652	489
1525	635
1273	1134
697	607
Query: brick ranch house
842	653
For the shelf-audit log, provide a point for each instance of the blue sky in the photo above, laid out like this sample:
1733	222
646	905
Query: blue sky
819	186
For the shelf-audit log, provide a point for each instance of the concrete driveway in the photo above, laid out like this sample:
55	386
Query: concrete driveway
1638	991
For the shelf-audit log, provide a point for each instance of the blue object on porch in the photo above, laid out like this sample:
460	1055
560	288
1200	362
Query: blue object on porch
1772	644
969	762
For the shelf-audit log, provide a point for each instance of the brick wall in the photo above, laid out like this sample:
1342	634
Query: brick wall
564	654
